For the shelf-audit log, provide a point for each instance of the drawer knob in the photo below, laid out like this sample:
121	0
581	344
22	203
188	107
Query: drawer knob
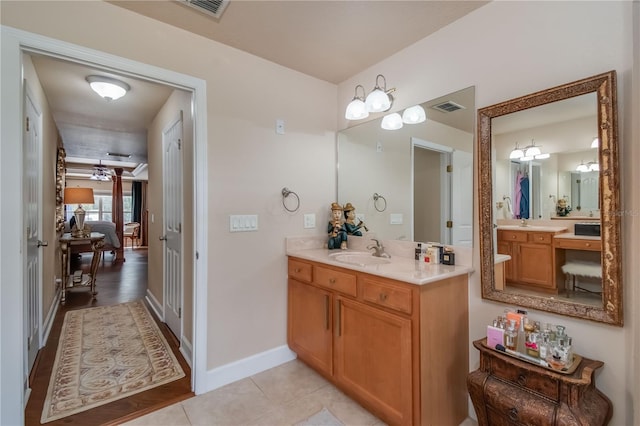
332	280
297	270
513	414
588	244
513	236
522	379
383	297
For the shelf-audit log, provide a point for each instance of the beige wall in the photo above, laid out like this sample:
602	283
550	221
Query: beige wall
509	49
248	164
178	101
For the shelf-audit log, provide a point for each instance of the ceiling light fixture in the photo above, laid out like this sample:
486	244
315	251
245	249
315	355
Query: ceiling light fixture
100	173
379	100
107	87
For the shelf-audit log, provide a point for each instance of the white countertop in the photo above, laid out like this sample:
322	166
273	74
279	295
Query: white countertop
399	268
534	228
499	258
577	237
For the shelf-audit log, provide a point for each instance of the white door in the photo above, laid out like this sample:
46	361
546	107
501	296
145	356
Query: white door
173	200
462	200
32	219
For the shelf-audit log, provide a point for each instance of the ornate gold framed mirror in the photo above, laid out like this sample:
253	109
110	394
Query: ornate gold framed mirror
608	308
60	184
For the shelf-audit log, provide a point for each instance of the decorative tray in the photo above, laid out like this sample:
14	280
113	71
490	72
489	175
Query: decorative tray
577	359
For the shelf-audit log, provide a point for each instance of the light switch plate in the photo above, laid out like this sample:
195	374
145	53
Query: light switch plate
309	220
395	219
243	222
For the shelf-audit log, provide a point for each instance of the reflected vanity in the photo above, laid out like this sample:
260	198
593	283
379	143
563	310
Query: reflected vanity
401	180
520	197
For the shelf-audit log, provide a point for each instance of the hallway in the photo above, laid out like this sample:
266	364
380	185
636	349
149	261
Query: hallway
116	283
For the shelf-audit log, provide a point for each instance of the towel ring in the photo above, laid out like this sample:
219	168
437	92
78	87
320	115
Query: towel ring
377	197
285	193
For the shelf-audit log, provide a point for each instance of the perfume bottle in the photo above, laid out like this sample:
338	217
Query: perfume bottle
511	336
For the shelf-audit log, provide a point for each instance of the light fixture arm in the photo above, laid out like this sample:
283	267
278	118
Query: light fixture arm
364	94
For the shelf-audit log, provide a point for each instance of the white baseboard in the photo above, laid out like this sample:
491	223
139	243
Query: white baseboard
48	321
246	367
155	305
187	351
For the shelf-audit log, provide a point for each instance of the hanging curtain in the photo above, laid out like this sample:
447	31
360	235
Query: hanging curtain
136	198
117	211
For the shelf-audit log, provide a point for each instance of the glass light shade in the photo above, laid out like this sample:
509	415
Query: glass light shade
356	110
108	88
583	168
526	158
542	156
391	122
378	101
595	143
594	167
414	115
532	151
516	154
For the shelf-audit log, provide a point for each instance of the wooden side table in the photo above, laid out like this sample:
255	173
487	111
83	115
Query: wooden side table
96	240
506	390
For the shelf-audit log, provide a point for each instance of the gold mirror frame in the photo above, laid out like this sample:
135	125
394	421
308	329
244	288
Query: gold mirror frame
60	184
611	311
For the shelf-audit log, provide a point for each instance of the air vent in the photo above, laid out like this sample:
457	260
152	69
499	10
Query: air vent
210	7
448	106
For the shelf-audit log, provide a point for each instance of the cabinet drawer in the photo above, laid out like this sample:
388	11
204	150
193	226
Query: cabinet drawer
300	271
389	296
509	405
540	237
578	244
512	235
526	378
336	280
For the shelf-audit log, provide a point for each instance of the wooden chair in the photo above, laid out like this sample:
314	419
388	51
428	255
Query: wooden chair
132	232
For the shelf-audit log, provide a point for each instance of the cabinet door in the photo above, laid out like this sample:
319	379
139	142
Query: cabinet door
373	358
309	325
505	247
535	265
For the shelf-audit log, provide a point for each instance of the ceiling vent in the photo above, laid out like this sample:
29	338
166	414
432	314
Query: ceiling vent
448	106
210	7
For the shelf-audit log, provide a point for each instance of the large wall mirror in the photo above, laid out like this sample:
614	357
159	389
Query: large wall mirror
563	190
414	183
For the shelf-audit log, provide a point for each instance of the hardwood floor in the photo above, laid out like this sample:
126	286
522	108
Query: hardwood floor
116	283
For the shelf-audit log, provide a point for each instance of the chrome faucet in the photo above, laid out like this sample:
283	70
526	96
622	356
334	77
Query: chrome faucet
378	249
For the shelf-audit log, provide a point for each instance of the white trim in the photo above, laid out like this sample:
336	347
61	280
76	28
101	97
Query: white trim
186	350
156	306
14	43
48	321
247	367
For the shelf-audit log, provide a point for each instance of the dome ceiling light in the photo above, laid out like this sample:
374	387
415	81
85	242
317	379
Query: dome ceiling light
108	88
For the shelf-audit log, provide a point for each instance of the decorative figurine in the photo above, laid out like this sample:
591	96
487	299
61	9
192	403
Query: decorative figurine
562	209
350	218
336	229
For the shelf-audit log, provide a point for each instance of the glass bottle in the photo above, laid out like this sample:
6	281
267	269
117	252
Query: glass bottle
543	345
511	336
531	344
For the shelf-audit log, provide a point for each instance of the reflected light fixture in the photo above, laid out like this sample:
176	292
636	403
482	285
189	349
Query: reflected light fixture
414	115
391	121
595	143
357	110
107	87
517	153
529	153
591	166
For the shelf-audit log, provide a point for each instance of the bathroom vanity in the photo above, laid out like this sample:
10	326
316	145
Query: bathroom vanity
392	335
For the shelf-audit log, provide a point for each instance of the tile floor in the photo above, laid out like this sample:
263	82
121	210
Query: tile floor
284	395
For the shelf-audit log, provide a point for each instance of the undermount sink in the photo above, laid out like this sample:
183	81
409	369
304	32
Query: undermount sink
363	259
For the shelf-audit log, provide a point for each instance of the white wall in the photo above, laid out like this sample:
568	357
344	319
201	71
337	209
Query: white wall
509	49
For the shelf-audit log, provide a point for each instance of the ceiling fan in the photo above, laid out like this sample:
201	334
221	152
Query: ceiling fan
100	172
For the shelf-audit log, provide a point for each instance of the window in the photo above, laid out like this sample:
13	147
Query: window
101	209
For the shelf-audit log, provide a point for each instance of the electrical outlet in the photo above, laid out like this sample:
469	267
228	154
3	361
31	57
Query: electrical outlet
395	219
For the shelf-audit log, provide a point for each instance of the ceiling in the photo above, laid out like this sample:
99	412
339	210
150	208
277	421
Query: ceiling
330	40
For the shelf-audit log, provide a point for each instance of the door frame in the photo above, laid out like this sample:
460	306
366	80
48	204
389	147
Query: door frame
14	42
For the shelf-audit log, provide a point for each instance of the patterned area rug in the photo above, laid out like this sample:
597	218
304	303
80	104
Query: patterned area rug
323	417
105	354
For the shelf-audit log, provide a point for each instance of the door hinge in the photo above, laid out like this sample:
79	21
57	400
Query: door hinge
27	124
179	312
180	228
449	168
449	224
179	143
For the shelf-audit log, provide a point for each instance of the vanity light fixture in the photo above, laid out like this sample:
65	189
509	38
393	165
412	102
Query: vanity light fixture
379	100
107	87
357	110
414	115
591	166
517	153
595	143
531	152
391	121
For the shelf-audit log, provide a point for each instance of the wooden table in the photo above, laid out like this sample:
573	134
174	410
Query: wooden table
96	240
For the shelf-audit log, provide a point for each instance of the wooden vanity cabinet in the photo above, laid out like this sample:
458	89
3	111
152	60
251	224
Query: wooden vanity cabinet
381	341
531	263
509	391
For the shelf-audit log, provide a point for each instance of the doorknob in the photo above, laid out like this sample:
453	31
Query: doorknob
163	238
43	243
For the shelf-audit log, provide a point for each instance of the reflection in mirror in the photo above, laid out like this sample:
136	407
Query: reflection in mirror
423	172
543	210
